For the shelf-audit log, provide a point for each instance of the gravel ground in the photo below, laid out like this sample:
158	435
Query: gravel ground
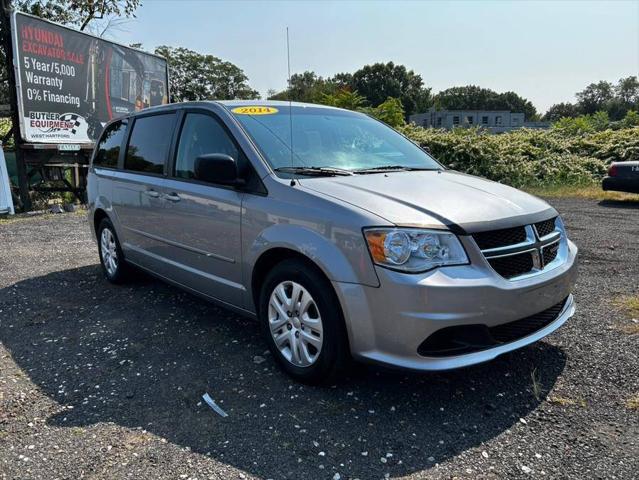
99	381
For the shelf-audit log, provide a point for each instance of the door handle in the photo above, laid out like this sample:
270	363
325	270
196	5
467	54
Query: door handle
172	197
151	193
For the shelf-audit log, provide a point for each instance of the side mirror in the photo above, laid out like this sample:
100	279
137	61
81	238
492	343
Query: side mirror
426	149
217	168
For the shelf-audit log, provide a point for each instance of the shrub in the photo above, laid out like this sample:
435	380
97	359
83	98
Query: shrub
530	157
582	124
631	119
390	112
5	126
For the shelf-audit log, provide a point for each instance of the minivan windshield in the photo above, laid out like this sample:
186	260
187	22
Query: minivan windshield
326	138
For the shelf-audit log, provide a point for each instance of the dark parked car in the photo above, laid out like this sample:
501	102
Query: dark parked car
622	177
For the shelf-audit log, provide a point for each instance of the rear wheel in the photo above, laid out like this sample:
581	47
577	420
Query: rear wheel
111	258
302	322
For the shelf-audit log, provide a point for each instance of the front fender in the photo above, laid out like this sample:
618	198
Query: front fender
341	255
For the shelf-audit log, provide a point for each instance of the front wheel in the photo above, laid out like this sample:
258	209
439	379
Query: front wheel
302	323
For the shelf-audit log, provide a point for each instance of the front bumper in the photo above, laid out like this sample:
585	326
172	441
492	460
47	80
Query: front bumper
387	324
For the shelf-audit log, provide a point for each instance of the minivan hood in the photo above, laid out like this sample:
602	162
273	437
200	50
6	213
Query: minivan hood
436	199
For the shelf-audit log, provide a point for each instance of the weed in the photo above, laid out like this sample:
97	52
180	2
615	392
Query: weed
633	402
629	304
536	385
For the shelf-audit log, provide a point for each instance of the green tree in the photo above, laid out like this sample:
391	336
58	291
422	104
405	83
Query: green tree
344	98
595	96
390	112
303	87
470	97
627	90
515	103
380	81
311	88
561	110
473	97
78	13
195	76
342	81
626	98
615	100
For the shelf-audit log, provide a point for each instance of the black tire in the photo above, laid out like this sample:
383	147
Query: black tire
122	271
334	356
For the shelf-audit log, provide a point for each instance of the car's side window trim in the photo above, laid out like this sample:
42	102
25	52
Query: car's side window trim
176	114
127	136
124	121
125	139
175	142
175	147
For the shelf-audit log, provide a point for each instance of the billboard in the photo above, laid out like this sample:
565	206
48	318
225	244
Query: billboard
69	84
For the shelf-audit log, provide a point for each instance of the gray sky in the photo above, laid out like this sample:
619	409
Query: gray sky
543	50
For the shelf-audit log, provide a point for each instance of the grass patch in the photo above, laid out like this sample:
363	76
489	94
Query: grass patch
567	402
632	329
80	210
589	192
23	217
633	402
629	305
6	219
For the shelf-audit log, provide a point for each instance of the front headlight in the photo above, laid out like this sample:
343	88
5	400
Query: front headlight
414	250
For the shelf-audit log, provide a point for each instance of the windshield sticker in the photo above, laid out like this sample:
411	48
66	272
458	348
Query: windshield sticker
255	110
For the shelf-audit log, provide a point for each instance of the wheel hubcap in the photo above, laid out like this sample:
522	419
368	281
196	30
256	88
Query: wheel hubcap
295	324
109	251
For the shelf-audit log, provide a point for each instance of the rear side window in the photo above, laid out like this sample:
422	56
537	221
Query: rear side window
109	146
201	134
149	143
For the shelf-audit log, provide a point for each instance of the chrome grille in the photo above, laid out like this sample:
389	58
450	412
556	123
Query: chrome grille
518	251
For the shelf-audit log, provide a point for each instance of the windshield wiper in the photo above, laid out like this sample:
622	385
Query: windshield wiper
316	171
393	168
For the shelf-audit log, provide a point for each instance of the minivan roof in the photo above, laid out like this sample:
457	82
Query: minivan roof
271	103
230	104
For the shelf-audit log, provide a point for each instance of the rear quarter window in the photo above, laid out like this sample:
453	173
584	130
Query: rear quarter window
149	143
108	149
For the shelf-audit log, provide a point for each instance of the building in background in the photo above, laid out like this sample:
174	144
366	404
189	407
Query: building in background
495	121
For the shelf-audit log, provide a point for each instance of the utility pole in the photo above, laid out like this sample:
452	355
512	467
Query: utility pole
5	17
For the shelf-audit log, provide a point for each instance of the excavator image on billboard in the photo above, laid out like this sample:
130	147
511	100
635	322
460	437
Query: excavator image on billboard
120	81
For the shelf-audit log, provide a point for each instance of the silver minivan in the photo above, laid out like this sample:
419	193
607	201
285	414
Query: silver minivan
343	238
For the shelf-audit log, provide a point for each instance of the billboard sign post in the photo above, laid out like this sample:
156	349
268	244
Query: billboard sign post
69	84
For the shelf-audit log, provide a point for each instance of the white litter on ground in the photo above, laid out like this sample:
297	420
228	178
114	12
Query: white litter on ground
211	403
